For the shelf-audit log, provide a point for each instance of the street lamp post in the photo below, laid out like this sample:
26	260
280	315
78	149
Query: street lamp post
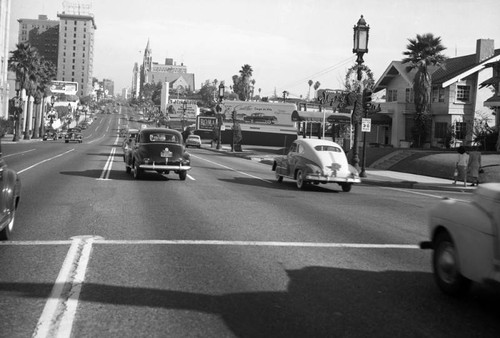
219	115
360	47
17	113
184	108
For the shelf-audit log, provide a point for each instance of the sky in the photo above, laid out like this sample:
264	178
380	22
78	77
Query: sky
286	42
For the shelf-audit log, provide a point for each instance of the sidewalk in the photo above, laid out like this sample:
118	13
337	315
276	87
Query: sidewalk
385	178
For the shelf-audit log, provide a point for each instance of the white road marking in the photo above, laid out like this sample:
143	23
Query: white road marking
60	309
224	243
46	160
232	169
420	193
107	167
191	177
19	153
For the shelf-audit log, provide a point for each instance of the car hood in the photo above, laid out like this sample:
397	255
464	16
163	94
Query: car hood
153	151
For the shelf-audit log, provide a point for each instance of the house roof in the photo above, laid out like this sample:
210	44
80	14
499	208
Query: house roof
451	71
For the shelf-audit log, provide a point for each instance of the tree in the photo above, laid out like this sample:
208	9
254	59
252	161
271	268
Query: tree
241	83
23	62
310	83
422	52
317	85
46	73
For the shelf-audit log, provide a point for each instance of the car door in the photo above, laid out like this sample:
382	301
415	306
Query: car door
291	159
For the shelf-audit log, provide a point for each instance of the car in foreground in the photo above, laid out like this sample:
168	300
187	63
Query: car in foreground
10	190
161	150
73	135
314	161
465	240
193	141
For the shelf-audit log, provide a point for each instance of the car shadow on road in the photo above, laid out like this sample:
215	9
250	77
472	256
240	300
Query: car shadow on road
319	302
285	185
120	175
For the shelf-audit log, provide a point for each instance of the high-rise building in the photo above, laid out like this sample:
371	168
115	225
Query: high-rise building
41	33
4	57
76	46
109	87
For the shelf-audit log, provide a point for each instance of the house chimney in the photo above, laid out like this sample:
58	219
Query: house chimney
485	48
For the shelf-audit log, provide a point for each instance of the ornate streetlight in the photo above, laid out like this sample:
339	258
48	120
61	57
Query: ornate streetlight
184	108
360	47
222	88
17	112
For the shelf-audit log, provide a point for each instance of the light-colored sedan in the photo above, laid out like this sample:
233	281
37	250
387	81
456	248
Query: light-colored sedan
464	237
193	141
316	161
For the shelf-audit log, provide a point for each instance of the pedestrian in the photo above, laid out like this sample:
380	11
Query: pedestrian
461	165
474	165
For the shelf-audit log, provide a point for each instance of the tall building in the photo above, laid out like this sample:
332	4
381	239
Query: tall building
136	80
154	72
76	46
41	33
109	87
4	57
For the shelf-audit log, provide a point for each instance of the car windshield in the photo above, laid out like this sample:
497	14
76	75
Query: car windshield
328	148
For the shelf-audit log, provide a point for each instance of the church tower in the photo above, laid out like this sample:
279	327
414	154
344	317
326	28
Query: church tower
147	64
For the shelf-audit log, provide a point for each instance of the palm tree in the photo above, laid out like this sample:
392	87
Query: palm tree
245	74
317	85
310	83
422	52
23	62
47	73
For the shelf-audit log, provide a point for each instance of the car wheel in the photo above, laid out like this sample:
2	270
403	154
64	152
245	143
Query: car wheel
137	171
346	187
66	141
182	175
279	178
445	266
7	231
301	183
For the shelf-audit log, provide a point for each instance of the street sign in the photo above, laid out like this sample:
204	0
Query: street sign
366	125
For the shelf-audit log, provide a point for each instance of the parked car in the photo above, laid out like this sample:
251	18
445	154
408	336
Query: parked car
10	190
50	134
465	239
260	117
161	150
73	134
316	161
193	141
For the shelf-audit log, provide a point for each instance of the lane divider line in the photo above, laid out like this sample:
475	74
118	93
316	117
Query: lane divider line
20	153
107	167
46	160
59	312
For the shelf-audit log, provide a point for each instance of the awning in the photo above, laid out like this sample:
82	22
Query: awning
493	101
381	119
317	116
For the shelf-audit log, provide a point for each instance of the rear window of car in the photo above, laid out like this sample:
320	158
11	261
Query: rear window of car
328	148
162	138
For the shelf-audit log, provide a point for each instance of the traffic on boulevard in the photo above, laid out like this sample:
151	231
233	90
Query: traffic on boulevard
227	249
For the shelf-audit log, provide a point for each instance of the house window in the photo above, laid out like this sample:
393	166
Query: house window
392	95
409	96
460	130
463	93
440	129
437	94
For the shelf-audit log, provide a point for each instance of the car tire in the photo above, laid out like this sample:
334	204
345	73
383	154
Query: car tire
137	172
7	231
182	175
445	266
279	178
301	182
66	141
346	187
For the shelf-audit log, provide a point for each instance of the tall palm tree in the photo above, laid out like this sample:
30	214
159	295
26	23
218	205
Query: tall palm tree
316	85
46	73
246	74
23	62
422	52
310	83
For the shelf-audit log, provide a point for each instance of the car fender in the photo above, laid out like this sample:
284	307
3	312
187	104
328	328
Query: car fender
471	230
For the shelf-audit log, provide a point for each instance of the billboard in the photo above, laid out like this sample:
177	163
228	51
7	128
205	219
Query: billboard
64	87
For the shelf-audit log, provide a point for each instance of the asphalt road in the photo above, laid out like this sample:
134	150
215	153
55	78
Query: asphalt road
227	253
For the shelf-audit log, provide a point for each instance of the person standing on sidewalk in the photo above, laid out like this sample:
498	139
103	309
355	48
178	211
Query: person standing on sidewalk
462	164
474	165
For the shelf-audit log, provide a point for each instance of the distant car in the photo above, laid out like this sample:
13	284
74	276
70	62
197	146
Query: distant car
10	192
465	239
193	141
260	117
316	161
74	135
161	150
50	135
